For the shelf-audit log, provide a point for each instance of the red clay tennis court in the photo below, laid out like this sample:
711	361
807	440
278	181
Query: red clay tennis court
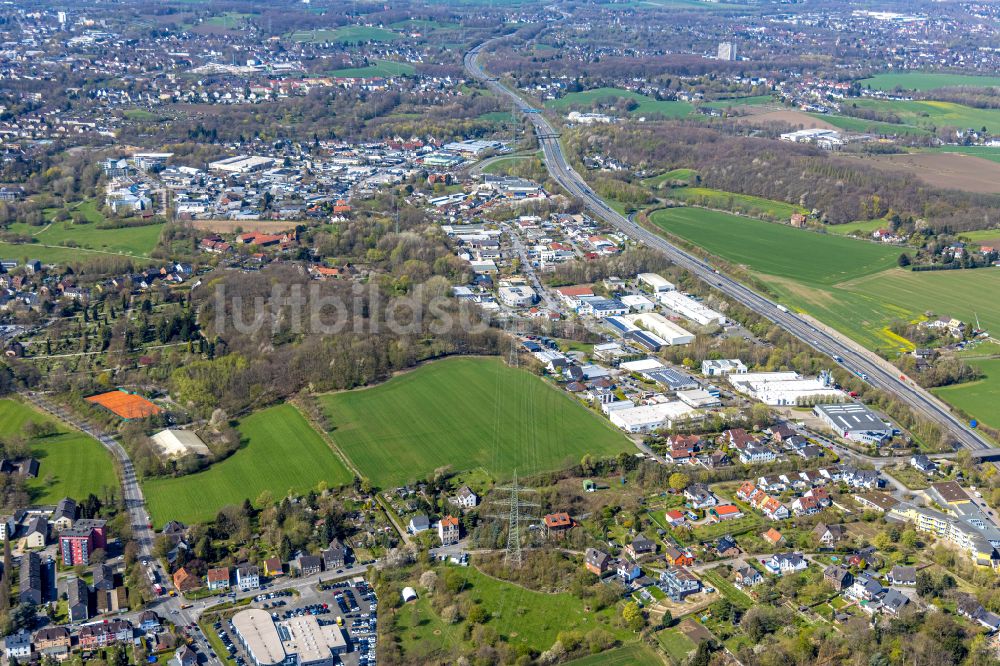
125	405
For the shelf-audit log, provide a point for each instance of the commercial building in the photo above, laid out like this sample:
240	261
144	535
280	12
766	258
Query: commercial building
517	296
656	282
297	641
785	388
646	418
661	327
690	309
722	367
241	164
854	421
257	633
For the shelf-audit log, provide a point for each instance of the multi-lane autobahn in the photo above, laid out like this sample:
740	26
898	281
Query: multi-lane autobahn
863	364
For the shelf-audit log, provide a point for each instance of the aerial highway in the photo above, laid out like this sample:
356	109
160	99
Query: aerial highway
863	364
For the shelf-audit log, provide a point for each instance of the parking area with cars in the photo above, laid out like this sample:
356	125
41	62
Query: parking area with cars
352	605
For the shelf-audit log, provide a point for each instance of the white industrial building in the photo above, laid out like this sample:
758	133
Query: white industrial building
785	388
517	296
699	399
179	443
854	421
662	327
690	309
297	641
638	303
646	418
656	282
723	366
241	164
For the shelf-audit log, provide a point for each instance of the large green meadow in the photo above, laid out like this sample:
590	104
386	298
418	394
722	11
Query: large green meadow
851	285
980	398
383	68
73	463
647	106
466	413
353	34
283	453
924	81
929	114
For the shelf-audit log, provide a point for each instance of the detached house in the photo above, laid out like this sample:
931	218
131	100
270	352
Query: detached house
639	547
747	576
596	561
786	563
448	530
699	496
247	577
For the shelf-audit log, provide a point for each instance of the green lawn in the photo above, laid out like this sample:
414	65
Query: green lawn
864	226
283	454
354	34
676	643
980	398
687	175
740	203
383	68
520	616
924	81
466	413
132	241
647	106
78	464
633	654
715	579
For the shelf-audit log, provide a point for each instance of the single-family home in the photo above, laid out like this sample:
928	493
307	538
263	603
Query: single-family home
184	581
596	561
900	575
674	518
18	646
309	565
746	576
865	587
699	496
418	523
724	512
785	563
639	547
924	464
828	534
557	524
839	577
465	498
677	557
627	570
772	536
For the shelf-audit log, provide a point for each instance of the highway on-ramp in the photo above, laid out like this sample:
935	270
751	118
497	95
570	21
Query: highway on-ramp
862	363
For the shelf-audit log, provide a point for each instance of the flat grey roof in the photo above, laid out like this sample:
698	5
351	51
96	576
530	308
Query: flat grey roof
852	416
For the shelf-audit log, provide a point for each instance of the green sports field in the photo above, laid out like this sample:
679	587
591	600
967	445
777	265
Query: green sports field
355	34
283	453
851	285
383	68
78	464
924	81
647	106
467	413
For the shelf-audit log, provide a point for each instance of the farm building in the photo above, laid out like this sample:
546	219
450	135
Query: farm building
125	405
179	443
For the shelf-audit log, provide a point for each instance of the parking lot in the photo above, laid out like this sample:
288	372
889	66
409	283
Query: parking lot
351	605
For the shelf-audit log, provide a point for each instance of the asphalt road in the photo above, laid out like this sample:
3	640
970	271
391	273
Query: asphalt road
838	347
